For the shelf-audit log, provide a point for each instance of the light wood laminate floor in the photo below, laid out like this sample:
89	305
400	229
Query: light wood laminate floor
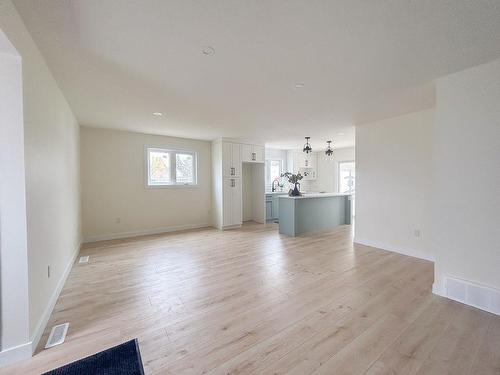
251	301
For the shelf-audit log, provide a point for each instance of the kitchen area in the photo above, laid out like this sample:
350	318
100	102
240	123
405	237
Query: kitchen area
300	191
327	189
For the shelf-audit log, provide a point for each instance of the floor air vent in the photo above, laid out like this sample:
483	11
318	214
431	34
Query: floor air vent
84	259
57	335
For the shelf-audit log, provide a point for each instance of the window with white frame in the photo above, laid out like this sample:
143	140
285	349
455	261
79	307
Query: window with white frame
274	168
167	167
347	177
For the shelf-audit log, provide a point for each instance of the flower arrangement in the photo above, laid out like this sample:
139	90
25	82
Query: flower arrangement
293	179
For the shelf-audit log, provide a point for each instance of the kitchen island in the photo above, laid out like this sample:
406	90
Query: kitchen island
313	212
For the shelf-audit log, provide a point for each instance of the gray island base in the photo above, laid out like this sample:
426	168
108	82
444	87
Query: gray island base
313	212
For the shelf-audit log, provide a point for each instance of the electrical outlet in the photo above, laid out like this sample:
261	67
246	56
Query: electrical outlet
416	233
118	220
48	271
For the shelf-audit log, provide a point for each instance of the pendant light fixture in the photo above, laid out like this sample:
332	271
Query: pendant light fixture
329	149
307	147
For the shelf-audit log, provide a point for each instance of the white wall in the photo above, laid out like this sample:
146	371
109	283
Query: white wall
328	169
394	160
51	137
466	191
113	186
14	306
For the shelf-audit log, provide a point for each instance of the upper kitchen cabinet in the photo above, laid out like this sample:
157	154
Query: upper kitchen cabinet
252	153
231	159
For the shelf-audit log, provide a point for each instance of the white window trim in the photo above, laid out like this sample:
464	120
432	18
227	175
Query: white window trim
173	151
338	171
268	168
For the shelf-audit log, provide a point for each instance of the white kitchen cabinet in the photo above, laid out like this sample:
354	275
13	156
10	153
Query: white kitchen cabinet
227	180
259	153
231	159
252	153
246	153
232	204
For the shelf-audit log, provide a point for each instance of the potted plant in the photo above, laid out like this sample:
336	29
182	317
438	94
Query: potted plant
293	179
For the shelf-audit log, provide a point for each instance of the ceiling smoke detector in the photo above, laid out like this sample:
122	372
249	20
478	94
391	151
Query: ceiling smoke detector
299	85
158	114
208	50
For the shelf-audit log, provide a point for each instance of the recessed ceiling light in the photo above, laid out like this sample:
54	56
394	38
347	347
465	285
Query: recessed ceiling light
299	85
208	50
159	114
340	134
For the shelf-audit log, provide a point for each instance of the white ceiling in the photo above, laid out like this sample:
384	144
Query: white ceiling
119	61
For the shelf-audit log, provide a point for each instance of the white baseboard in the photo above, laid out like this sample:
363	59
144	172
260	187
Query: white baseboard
42	323
469	293
15	354
143	232
438	289
395	249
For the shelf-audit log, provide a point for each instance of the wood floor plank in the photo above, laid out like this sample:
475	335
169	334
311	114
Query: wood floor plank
336	334
487	361
456	349
406	355
252	301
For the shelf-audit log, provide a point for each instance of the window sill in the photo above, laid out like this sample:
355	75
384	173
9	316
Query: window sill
191	186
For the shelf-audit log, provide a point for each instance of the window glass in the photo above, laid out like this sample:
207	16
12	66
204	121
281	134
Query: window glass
275	169
159	168
170	167
347	177
184	165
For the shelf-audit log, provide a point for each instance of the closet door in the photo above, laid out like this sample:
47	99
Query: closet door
236	159
227	152
231	159
227	201
231	201
236	202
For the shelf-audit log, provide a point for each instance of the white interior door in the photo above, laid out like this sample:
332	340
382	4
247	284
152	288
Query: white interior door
227	150
236	202
227	191
236	159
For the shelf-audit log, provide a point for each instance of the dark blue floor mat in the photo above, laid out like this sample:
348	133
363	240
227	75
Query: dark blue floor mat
124	359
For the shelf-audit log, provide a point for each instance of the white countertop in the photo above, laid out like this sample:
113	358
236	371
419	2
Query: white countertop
317	195
276	192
